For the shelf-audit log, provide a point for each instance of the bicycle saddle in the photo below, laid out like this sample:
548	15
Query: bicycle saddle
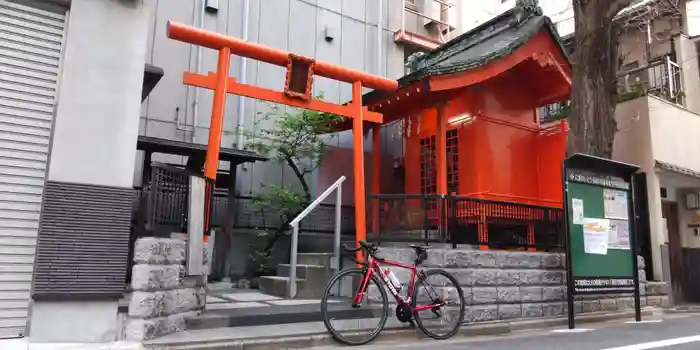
419	248
421	253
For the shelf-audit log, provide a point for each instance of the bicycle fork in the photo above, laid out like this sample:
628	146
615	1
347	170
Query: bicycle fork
360	294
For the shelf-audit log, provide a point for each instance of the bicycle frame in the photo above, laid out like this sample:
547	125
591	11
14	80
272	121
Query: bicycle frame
374	266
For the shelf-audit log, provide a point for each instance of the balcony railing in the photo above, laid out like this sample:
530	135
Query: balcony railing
439	13
555	111
662	78
464	220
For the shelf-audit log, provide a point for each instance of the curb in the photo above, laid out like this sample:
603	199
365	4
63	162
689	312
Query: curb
405	334
694	310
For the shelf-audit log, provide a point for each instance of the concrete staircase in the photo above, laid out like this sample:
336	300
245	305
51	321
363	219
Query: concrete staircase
313	273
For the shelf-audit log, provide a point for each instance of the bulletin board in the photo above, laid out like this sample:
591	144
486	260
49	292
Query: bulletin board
600	229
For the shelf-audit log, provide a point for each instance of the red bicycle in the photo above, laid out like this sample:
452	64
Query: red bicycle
364	292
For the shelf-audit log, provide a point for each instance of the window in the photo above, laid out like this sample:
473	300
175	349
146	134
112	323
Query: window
428	173
428	168
453	161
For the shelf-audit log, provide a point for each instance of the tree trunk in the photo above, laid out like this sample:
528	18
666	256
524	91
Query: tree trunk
594	91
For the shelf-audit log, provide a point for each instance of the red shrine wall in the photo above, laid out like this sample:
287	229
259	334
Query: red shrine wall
496	143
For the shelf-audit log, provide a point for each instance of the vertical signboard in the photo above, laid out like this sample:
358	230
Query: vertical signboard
599	212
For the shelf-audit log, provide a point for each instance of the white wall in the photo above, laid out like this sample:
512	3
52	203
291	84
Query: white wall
74	321
674	133
692	8
479	11
652	129
633	144
97	116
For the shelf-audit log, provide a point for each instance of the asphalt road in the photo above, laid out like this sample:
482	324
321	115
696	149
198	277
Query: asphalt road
677	332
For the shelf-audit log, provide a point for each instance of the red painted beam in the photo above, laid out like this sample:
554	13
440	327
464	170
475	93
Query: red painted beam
233	87
216	41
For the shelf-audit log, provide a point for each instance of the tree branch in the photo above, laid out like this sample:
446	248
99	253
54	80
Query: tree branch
615	6
302	180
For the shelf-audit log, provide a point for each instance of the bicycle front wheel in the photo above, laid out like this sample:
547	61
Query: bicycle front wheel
438	286
354	325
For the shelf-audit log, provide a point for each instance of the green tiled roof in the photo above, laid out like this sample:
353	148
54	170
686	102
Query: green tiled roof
490	41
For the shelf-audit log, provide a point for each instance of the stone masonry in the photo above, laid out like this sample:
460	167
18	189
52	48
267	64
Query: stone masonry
162	296
501	285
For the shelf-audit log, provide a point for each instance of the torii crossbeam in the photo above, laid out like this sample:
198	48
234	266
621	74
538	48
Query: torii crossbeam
297	93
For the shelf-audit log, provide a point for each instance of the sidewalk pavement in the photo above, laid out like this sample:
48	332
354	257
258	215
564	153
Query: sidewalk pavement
312	334
23	344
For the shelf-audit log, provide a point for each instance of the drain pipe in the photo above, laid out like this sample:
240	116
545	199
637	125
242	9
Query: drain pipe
243	77
195	103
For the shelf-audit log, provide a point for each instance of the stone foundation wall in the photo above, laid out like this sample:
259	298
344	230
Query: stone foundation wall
502	285
162	295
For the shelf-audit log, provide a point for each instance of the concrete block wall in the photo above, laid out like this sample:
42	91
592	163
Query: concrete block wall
162	295
502	285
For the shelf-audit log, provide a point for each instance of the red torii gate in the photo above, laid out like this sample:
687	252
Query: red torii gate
297	93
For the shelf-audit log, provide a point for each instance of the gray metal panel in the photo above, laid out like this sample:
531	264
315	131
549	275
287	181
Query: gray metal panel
353	55
393	16
333	5
302	31
371	64
83	242
174	58
30	51
328	51
354	9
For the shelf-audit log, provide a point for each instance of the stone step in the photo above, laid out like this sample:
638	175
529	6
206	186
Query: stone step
304	271
319	259
305	311
277	286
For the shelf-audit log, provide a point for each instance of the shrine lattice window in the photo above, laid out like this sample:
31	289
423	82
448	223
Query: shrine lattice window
428	170
452	161
428	173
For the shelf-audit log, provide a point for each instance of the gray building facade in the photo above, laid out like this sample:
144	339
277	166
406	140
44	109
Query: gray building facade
358	34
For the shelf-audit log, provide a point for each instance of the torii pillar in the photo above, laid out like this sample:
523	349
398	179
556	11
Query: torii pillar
297	93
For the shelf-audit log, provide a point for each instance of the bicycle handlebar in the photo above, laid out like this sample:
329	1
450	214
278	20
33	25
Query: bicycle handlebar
350	250
365	247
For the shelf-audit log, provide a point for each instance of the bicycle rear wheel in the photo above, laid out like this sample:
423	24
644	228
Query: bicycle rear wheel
338	312
431	293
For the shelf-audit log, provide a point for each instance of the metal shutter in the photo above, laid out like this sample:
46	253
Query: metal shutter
30	49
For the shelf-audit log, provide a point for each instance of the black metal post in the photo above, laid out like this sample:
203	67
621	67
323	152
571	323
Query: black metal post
146	169
633	249
452	220
442	218
569	271
426	207
379	217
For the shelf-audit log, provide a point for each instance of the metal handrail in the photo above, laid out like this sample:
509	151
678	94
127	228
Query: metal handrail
336	186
